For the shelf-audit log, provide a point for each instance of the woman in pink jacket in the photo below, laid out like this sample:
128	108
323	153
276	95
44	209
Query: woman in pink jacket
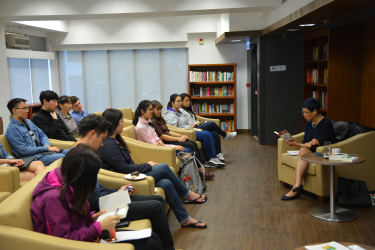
61	206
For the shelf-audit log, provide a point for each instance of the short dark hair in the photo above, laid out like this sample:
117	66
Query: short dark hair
63	99
114	116
14	104
74	99
48	95
80	168
93	122
311	104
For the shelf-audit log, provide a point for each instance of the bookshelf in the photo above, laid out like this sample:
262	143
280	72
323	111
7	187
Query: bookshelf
33	109
220	101
343	61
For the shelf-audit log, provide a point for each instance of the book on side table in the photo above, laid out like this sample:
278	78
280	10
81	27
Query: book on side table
343	157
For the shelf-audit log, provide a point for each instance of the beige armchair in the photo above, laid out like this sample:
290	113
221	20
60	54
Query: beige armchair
16	227
9	181
317	176
142	152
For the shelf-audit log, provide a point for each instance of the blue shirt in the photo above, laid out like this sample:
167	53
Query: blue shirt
78	116
4	154
21	142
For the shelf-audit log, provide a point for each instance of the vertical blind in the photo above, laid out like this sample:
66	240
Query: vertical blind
28	77
122	78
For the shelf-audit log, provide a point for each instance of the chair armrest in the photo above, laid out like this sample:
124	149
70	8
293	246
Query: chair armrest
18	238
62	144
9	179
189	132
142	152
201	118
114	180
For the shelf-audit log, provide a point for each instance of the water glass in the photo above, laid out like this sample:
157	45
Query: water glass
327	149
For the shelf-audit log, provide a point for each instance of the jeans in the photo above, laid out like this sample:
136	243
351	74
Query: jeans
208	144
215	131
49	159
151	207
174	190
192	145
186	150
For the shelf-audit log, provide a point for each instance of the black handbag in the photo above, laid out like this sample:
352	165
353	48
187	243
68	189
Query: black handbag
352	193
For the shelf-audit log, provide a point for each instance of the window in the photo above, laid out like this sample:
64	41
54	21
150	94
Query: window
28	77
122	78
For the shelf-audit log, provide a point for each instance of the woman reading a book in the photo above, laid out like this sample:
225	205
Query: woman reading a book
174	117
318	129
210	126
61	208
116	157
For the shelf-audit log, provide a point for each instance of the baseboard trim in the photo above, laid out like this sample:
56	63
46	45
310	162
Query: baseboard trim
243	131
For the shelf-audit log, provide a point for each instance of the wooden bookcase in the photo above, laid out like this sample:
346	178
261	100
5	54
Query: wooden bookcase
33	109
344	62
220	100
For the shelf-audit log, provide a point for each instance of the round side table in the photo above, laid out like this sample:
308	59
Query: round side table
331	213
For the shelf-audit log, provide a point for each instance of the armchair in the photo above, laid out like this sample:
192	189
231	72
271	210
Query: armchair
317	176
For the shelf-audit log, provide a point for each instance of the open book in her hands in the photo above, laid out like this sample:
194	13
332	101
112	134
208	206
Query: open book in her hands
285	135
111	202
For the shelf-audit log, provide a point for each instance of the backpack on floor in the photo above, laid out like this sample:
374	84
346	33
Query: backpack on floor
189	167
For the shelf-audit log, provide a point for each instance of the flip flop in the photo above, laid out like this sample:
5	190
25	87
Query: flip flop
194	225
195	200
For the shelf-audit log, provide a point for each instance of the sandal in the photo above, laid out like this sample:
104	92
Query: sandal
195	201
194	225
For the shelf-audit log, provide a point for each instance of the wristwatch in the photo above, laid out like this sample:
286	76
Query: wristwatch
302	145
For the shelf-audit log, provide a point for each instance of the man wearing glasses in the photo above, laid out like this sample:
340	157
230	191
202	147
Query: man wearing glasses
26	139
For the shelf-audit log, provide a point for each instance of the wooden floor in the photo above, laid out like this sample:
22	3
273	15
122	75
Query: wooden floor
244	210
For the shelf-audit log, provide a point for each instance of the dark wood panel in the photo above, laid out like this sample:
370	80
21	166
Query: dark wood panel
345	75
244	210
368	82
1	126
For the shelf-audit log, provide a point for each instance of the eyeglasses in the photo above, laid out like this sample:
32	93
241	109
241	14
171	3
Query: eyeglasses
179	101
24	108
305	112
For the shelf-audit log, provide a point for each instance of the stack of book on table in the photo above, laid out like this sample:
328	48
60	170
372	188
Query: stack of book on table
343	157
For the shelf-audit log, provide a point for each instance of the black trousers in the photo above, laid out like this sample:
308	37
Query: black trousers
188	144
151	207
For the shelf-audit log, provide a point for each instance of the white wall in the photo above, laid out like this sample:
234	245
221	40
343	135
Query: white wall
209	53
4	79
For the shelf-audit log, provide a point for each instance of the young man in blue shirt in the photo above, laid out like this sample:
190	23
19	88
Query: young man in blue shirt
26	139
78	113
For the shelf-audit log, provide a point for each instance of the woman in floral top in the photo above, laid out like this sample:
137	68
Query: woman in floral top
63	109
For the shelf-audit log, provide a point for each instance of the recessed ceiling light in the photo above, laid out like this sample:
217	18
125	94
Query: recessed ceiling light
292	29
309	24
235	41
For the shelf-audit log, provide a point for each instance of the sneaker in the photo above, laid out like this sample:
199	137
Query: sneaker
216	162
221	157
230	135
208	165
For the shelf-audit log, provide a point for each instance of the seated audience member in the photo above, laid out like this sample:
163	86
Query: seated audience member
116	157
26	139
93	130
78	113
63	109
174	117
318	129
35	167
215	130
170	137
61	208
48	120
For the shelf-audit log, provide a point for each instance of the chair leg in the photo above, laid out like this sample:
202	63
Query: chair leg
324	199
283	184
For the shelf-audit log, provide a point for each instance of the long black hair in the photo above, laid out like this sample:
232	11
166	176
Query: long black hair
172	98
143	105
80	168
188	109
160	120
114	116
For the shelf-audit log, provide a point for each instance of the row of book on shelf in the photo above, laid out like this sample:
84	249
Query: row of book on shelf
212	91
324	98
315	52
210	76
206	108
312	76
227	125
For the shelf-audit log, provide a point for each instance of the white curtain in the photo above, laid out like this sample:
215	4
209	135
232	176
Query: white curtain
28	77
122	78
